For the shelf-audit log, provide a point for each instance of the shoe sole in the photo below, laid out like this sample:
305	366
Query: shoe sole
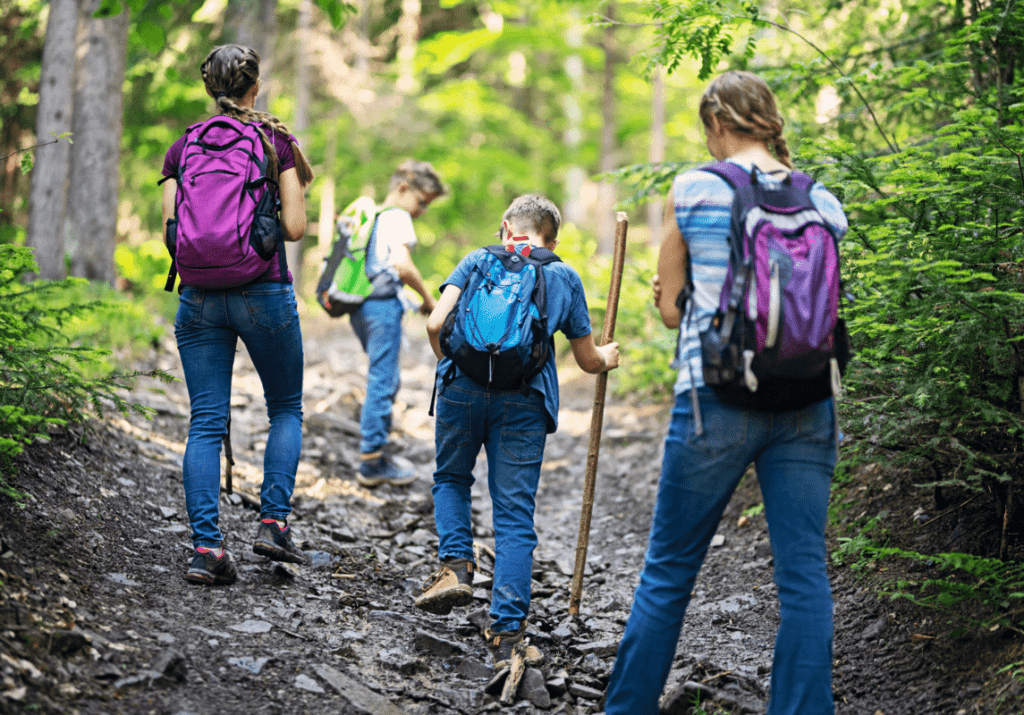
393	481
275	554
441	604
205	578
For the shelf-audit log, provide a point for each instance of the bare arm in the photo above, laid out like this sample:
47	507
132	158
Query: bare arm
293	205
170	191
673	264
449	297
401	259
593	358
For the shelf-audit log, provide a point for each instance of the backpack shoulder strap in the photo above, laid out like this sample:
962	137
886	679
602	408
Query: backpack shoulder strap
734	174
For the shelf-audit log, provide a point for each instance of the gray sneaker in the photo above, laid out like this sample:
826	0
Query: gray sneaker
379	468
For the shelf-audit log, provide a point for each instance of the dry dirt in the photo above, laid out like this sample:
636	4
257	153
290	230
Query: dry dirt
95	616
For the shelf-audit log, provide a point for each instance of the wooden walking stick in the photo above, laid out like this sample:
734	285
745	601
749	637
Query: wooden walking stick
597	416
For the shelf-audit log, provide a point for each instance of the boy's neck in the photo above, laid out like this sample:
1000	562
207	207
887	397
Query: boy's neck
533	239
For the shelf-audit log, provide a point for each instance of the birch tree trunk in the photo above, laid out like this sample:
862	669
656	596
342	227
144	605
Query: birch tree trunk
48	195
656	154
408	37
609	149
95	155
301	123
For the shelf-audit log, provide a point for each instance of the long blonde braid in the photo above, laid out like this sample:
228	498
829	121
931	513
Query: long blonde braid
229	72
744	103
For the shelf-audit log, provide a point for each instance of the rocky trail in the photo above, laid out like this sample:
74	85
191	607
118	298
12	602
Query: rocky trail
95	616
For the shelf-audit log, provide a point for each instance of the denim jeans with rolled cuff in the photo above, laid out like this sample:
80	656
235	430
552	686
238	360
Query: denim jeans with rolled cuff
794	454
378	325
207	327
512	428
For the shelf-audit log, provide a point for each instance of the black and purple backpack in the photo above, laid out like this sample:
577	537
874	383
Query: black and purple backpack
777	341
225	230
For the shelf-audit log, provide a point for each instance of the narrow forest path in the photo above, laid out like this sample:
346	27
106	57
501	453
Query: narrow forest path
95	616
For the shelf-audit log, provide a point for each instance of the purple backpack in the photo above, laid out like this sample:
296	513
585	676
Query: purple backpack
225	229
777	341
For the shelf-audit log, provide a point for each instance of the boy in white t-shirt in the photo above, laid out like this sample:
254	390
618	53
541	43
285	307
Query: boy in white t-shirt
378	321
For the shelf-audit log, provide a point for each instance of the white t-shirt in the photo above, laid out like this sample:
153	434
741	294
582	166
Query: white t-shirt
394	228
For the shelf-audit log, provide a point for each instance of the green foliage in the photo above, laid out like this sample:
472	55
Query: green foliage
44	379
860	551
981	594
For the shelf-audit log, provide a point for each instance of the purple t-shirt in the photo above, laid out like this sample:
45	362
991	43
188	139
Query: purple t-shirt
285	159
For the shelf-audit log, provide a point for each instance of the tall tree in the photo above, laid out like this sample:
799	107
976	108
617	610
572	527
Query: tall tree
98	115
256	27
609	146
48	195
656	152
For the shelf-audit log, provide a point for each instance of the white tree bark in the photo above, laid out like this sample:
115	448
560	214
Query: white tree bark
49	189
609	146
656	153
301	123
257	28
95	155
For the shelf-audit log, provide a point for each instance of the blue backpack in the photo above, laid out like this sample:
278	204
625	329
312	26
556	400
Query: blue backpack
778	341
497	333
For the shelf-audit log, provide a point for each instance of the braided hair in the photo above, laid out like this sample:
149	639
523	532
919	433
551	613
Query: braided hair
744	103
229	72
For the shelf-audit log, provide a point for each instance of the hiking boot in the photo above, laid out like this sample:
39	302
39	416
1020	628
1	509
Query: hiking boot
448	587
209	570
502	643
276	543
380	468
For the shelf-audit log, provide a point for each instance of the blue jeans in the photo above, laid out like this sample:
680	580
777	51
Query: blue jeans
378	325
795	454
512	428
208	325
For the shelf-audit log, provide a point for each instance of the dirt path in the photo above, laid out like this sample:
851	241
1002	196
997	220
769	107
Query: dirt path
95	616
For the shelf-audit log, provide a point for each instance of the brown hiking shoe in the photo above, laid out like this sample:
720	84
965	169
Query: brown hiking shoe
502	643
448	587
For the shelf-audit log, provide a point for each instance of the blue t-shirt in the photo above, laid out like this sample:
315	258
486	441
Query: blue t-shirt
567	311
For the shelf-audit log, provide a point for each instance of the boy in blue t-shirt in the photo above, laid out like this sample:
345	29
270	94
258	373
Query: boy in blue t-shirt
512	427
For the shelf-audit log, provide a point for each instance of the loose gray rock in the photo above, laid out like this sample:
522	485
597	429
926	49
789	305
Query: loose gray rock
252	627
532	688
363	700
304	682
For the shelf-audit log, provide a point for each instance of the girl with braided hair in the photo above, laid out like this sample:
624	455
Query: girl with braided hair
711	443
264	314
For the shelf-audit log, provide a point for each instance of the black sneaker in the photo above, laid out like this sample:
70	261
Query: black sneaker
276	543
209	570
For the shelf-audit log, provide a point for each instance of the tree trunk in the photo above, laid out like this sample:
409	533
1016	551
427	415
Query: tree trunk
48	195
408	37
609	159
256	27
575	176
95	155
301	123
656	154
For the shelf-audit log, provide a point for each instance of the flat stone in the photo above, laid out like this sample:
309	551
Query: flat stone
718	540
582	691
602	649
167	512
399	662
253	665
361	699
122	579
252	627
473	669
304	682
434	645
211	632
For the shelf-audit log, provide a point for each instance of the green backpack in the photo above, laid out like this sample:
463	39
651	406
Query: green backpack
344	284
